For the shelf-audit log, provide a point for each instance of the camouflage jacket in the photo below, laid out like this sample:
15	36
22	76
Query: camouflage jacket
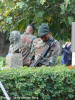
52	55
27	40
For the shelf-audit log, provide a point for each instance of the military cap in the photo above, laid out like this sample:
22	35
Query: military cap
43	30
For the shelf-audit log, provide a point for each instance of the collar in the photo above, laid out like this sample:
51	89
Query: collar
50	39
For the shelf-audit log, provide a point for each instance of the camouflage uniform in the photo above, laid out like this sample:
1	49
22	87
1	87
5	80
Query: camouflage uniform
27	40
37	47
52	55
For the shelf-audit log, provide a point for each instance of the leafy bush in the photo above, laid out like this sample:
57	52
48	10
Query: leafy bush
43	83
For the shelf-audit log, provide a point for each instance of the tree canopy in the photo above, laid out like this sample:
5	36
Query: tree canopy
17	14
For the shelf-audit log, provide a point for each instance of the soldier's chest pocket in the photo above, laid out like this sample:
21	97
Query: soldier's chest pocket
50	53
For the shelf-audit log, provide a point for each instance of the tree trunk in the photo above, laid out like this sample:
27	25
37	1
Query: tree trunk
4	44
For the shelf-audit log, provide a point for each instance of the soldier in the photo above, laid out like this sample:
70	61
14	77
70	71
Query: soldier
30	29
27	39
52	54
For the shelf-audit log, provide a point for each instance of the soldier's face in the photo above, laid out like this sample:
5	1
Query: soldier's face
44	38
29	29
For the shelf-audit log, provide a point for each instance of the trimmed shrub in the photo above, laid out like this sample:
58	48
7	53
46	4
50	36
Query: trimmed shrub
43	83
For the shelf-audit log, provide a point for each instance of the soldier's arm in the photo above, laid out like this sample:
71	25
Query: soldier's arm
31	56
54	58
51	57
48	61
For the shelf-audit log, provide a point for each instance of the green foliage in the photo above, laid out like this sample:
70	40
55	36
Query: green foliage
44	83
2	62
17	14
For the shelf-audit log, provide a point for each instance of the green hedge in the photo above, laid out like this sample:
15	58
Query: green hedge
44	83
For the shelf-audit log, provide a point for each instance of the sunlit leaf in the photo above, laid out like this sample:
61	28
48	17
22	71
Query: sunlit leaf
42	1
8	20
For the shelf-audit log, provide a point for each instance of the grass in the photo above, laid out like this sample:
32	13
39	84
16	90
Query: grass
59	60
